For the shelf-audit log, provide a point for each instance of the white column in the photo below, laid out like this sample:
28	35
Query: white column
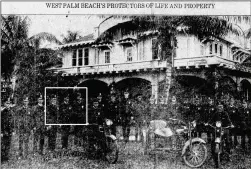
168	83
155	86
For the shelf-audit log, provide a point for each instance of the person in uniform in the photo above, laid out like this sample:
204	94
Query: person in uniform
235	117
139	115
39	130
96	117
25	126
186	111
174	109
66	112
52	118
80	117
222	115
198	112
7	126
244	117
248	123
112	112
126	115
209	111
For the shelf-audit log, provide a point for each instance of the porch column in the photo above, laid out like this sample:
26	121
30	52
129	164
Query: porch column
168	83
155	87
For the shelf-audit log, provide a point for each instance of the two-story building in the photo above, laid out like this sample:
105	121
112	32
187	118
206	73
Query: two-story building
136	61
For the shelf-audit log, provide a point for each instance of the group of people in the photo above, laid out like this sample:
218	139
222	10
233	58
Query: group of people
231	112
26	120
22	121
124	111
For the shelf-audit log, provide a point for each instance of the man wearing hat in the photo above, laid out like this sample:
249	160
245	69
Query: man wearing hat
39	129
209	111
125	109
222	115
199	114
51	118
66	111
25	126
245	123
80	117
6	130
235	117
112	112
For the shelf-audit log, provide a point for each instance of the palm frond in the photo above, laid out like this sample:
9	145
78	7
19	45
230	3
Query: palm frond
248	33
71	36
237	19
37	39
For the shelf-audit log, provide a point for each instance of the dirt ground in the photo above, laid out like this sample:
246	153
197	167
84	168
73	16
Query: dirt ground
130	157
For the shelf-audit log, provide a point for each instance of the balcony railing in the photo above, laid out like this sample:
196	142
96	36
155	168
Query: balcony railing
207	61
118	67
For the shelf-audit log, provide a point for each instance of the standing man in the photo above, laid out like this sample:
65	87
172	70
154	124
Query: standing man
66	112
6	130
209	112
25	125
235	118
140	115
112	112
198	116
248	123
126	115
221	115
51	118
39	130
174	109
245	120
80	117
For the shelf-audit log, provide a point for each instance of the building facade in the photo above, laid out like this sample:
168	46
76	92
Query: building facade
136	61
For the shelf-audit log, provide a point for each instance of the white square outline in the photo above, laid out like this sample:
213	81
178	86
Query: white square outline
66	124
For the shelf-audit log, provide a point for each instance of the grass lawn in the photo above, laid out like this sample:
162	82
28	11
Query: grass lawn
130	157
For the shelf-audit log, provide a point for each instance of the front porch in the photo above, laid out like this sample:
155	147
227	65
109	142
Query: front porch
108	68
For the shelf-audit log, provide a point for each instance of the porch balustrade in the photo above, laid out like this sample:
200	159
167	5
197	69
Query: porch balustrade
115	67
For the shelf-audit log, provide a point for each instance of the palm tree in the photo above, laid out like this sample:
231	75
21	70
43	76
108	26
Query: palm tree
71	36
14	38
21	56
14	33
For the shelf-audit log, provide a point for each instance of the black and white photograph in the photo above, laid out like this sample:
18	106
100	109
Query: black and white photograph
90	85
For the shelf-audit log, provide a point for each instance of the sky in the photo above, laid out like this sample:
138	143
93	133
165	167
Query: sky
58	25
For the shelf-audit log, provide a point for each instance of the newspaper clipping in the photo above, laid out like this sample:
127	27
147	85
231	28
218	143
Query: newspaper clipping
125	84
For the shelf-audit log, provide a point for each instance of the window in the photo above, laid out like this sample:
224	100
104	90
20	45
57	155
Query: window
129	54
211	48
107	56
216	48
221	50
201	49
80	57
74	58
86	56
154	49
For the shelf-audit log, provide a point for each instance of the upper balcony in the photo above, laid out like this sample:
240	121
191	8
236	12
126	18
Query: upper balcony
207	61
117	68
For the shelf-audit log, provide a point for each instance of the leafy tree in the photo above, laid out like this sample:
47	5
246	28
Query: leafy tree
71	36
34	73
23	58
14	35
